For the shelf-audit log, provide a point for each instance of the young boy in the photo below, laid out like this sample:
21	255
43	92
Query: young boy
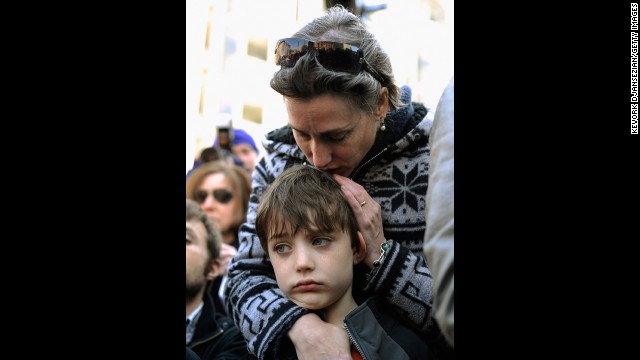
311	237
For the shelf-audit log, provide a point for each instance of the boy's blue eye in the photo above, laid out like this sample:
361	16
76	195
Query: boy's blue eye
280	248
320	241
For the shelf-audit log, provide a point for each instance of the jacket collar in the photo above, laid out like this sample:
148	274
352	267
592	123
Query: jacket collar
398	123
206	327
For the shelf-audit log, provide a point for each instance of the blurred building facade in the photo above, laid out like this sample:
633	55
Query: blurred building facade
229	58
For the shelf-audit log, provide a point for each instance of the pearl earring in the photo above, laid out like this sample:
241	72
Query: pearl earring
382	127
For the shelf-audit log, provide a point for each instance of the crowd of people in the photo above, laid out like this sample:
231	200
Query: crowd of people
338	242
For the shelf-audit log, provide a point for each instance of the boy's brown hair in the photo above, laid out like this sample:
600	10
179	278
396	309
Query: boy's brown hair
301	197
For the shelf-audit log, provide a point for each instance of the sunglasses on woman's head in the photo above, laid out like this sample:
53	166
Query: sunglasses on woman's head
331	55
222	196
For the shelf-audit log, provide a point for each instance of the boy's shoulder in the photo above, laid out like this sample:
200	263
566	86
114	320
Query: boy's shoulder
374	320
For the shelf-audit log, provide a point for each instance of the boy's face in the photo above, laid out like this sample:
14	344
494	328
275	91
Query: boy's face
313	270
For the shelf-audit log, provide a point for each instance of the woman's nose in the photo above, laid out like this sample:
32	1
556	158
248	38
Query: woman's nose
321	154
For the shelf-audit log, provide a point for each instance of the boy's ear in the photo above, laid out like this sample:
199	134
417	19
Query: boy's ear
215	270
358	255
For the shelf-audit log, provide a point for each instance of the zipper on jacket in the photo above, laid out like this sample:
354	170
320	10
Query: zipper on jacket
366	163
353	341
220	331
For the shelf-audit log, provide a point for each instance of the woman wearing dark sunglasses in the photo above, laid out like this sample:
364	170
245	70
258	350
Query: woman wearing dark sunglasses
346	116
222	190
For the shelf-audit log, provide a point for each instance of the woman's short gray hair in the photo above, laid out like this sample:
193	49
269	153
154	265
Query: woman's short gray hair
307	79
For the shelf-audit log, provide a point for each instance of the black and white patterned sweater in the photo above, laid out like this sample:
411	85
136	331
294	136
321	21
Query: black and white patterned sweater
395	174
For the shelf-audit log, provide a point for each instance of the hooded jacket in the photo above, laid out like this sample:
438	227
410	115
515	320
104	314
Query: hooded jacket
395	174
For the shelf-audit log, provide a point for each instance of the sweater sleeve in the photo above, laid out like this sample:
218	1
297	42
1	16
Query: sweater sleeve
399	184
405	281
258	307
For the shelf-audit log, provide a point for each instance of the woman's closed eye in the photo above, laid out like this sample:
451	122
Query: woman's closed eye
336	137
302	135
328	137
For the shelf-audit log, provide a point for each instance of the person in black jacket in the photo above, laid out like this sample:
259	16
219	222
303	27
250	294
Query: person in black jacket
209	334
222	190
191	355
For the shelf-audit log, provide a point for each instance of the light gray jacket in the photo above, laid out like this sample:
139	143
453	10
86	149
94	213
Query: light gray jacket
438	243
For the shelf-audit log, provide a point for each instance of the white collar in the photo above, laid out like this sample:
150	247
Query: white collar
195	312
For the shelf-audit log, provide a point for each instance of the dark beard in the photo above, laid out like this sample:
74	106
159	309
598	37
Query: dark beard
194	286
192	291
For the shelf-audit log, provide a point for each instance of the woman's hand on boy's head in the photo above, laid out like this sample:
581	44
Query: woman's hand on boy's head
227	252
368	215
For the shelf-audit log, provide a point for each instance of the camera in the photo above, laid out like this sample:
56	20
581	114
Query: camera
224	143
225	137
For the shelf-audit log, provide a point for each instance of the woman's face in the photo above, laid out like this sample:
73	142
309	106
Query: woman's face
226	216
334	136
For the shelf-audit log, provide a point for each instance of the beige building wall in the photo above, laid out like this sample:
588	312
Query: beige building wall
229	58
